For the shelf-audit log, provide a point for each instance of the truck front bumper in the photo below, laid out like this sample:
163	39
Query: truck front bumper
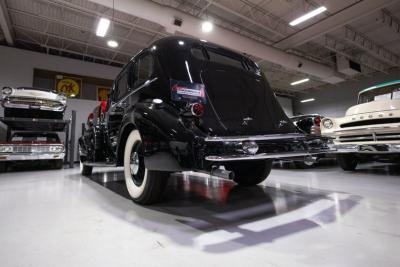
368	148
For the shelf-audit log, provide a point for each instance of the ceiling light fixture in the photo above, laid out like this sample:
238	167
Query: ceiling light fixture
307	100
300	81
102	27
308	16
207	26
112	43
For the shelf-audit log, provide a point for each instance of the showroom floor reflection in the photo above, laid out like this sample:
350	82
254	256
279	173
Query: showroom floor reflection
243	215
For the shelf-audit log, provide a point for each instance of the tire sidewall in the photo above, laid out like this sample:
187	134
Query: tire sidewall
134	191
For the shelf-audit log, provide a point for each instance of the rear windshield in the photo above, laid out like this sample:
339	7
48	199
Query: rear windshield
229	59
25	137
381	93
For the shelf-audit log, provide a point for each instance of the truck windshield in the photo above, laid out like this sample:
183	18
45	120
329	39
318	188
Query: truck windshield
380	92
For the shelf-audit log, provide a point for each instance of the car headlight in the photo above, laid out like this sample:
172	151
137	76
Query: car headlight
56	149
328	123
7	91
6	149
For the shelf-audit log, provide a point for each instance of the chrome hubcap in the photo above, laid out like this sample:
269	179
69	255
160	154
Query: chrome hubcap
134	163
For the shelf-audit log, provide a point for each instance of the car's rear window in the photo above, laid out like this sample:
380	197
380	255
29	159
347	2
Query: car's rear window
225	59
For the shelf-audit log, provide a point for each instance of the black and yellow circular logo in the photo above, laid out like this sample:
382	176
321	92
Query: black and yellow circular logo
68	86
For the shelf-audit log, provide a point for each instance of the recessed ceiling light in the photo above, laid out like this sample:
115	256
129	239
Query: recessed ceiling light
300	81
207	26
308	16
112	43
102	27
307	100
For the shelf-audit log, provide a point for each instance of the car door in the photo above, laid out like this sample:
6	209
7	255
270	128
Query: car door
117	105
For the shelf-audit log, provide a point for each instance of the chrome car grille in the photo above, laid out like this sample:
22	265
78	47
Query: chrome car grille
369	138
34	102
32	149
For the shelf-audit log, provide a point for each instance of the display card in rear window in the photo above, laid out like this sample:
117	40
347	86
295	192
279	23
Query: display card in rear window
187	91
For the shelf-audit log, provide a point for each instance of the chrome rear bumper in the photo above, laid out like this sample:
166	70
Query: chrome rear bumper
265	156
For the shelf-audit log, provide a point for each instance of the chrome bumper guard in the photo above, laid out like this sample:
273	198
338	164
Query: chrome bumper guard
30	156
368	149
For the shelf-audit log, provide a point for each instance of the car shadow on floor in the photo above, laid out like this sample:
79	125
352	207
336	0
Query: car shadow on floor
253	215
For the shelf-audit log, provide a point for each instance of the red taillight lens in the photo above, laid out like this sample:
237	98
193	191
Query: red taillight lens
197	109
317	120
103	106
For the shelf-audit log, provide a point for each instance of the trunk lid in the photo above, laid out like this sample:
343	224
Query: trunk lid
241	103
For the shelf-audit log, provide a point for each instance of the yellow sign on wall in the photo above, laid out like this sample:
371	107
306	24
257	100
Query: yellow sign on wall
69	86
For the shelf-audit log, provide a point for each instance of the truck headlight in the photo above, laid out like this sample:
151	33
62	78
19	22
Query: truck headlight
6	91
327	123
56	149
6	149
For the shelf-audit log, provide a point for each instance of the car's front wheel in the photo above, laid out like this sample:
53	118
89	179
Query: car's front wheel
144	186
248	173
347	162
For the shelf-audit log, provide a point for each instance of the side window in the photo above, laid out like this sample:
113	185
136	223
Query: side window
122	85
143	70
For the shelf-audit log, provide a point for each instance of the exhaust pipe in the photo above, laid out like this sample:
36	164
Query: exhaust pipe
222	173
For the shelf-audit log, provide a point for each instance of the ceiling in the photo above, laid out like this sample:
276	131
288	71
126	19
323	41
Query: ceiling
67	28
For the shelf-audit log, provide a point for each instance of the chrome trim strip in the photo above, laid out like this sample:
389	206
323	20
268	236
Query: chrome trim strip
253	137
265	156
32	156
147	83
366	129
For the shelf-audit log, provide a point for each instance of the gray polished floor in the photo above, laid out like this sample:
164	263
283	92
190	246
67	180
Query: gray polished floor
318	217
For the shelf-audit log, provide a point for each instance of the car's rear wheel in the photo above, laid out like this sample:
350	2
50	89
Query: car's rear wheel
248	173
347	162
144	186
85	170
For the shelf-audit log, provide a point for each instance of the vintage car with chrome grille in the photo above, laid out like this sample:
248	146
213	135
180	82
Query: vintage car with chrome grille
369	130
185	104
33	146
26	102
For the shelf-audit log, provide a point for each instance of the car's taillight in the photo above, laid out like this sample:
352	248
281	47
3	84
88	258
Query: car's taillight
90	119
197	109
317	121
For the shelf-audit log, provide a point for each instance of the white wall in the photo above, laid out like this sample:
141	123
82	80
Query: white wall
16	66
16	69
286	104
334	100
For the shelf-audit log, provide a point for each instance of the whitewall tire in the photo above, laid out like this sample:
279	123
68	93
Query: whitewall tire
143	185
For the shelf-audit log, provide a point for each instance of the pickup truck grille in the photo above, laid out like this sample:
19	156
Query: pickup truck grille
369	137
34	101
370	122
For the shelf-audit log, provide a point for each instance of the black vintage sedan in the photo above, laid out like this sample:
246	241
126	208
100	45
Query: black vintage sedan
185	104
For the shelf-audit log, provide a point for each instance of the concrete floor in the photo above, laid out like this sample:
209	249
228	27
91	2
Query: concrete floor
318	217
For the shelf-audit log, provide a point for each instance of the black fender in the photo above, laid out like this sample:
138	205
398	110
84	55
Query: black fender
168	143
